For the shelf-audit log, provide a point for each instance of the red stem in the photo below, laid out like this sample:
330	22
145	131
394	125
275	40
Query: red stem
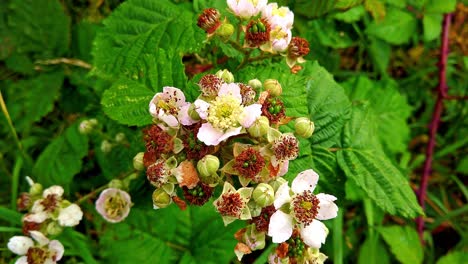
433	126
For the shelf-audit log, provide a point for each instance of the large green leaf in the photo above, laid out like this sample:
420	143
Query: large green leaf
331	178
170	236
139	28
39	26
373	251
61	159
440	6
455	257
397	27
404	243
432	25
312	9
329	34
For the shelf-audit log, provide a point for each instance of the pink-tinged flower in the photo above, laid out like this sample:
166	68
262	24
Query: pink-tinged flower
280	37
226	116
278	16
43	251
246	9
113	205
170	107
306	209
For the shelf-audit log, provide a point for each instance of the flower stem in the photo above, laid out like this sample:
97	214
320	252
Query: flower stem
10	124
68	61
435	121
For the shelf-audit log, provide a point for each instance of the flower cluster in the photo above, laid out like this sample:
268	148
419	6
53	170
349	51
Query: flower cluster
231	137
266	26
47	214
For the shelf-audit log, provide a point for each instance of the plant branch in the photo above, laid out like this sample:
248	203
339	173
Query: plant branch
10	124
435	121
68	61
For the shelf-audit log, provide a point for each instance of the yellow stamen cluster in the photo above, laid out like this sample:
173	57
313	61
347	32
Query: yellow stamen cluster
224	112
115	205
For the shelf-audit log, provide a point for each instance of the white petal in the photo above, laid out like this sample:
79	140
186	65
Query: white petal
229	133
231	89
170	120
70	216
250	114
327	207
209	135
22	260
57	190
37	206
314	234
49	261
153	105
282	195
57	248
280	227
284	166
305	181
20	244
39	237
38	217
184	116
175	94
202	108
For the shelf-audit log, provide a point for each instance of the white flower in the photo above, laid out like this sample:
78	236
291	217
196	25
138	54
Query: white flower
225	114
280	37
246	8
278	16
44	251
113	205
43	208
170	107
306	210
70	216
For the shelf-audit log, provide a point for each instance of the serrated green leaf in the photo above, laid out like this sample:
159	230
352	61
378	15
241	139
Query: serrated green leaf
331	179
170	236
39	26
352	15
380	52
329	34
61	159
404	243
127	102
373	251
29	100
345	4
455	257
312	9
397	27
440	6
139	28
380	180
432	25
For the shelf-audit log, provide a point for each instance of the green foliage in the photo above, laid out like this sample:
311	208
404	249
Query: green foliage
373	251
396	28
456	257
404	243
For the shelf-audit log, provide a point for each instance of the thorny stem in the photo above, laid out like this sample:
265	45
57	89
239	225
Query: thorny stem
74	62
435	121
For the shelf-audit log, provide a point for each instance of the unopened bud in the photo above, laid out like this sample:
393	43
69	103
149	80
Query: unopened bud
161	199
304	127
193	113
36	189
264	194
225	75
138	161
225	31
106	146
208	165
115	183
85	127
260	127
120	137
277	183
53	228
273	87
256	84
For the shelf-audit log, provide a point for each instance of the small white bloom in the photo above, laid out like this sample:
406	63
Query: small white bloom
278	16
20	244
113	205
306	211
44	207
246	9
166	106
45	251
70	216
53	190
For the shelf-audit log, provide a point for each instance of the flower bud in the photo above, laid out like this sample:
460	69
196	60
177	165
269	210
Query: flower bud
53	228
35	189
304	127
277	183
273	87
115	183
161	199
120	137
298	47
260	127
138	161
225	75
193	113
106	146
85	127
264	194
225	31
208	165
209	20
256	84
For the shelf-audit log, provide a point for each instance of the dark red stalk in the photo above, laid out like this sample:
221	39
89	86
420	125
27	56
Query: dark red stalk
434	125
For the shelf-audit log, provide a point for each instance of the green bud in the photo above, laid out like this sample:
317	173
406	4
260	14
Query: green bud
117	184
193	113
225	31
264	194
256	84
225	75
304	127
138	161
260	127
254	28
273	87
208	165
120	137
261	26
161	199
277	183
35	189
53	228
106	146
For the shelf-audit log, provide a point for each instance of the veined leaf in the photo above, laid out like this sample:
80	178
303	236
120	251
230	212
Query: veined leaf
312	9
139	28
345	4
61	159
331	178
404	243
396	28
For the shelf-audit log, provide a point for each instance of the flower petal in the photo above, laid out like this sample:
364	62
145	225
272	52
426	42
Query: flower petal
39	237
327	207
184	116
56	189
231	89
70	216
280	227
22	260
250	114
282	195
314	234
202	108
57	248
229	133
209	135
170	120
38	217
20	244
305	181
173	94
